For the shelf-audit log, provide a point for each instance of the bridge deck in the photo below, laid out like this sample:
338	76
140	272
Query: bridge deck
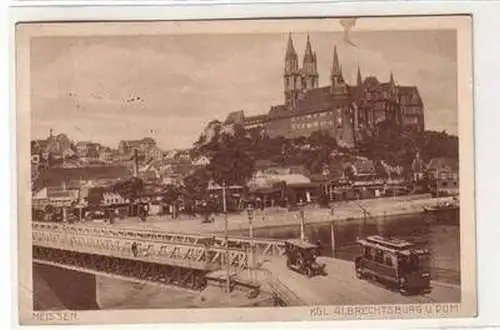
342	287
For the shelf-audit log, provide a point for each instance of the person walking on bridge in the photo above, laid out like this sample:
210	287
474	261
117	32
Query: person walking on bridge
134	249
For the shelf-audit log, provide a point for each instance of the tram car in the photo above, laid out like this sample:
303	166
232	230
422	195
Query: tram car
395	263
301	256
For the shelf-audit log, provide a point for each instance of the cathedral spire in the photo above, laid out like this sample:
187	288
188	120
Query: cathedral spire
290	49
359	79
308	53
336	70
391	80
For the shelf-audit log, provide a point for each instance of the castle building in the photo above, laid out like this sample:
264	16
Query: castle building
347	112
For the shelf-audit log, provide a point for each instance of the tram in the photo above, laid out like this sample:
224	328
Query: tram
395	263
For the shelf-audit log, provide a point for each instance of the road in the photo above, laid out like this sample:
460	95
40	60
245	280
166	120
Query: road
342	287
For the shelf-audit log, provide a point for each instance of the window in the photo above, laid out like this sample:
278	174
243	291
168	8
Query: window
379	256
388	260
368	253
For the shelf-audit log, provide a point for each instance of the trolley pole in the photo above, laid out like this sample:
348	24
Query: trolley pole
224	206
302	229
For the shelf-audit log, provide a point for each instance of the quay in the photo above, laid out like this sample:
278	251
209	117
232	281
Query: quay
276	217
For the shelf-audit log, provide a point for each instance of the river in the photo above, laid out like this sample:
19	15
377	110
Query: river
441	238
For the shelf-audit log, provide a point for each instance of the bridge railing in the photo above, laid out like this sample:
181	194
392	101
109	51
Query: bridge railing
185	255
262	247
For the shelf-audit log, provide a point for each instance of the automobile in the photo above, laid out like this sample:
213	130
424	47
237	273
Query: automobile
301	256
395	263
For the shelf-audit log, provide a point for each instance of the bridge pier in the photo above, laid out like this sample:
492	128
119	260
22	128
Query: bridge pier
56	288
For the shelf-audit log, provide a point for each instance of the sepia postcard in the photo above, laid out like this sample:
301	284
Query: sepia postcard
245	170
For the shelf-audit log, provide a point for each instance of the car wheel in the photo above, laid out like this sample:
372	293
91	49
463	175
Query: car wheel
309	272
359	273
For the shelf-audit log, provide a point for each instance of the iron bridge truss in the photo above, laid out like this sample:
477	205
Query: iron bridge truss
187	278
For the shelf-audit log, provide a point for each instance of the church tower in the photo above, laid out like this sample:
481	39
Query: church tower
359	80
309	68
393	104
339	86
291	77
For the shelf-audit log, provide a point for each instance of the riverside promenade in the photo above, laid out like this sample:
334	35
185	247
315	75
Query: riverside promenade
280	217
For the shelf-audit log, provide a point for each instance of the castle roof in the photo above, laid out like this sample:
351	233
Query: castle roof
409	95
314	100
235	117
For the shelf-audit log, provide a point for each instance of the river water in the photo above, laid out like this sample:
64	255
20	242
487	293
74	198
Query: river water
441	238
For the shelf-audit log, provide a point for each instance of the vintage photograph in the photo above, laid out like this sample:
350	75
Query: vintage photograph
265	165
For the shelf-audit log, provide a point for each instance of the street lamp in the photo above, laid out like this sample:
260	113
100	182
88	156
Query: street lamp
332	229
224	206
251	258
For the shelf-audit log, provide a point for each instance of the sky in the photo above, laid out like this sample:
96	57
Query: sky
111	88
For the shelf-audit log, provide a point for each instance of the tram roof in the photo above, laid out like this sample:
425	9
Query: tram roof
391	243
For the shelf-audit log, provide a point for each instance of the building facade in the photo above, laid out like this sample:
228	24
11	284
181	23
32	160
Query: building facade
345	111
443	176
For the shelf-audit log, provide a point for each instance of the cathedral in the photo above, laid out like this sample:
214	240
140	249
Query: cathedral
348	112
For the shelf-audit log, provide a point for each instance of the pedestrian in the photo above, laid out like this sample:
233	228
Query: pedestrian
144	212
134	249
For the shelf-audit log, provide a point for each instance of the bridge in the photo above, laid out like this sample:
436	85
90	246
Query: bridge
193	262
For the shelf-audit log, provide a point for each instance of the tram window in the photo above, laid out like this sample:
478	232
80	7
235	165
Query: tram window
379	256
368	253
388	261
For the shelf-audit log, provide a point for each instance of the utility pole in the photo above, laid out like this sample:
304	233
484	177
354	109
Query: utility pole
136	164
332	230
251	258
301	219
224	206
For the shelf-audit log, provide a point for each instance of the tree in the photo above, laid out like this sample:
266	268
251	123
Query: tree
231	166
171	193
196	184
129	189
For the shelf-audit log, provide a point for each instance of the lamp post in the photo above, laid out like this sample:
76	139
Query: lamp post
332	230
251	258
226	239
301	220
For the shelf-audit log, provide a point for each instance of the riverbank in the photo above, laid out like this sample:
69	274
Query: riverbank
278	217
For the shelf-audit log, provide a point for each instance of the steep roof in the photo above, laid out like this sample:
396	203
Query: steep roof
409	95
146	140
56	176
256	118
314	100
278	111
235	117
364	166
443	162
